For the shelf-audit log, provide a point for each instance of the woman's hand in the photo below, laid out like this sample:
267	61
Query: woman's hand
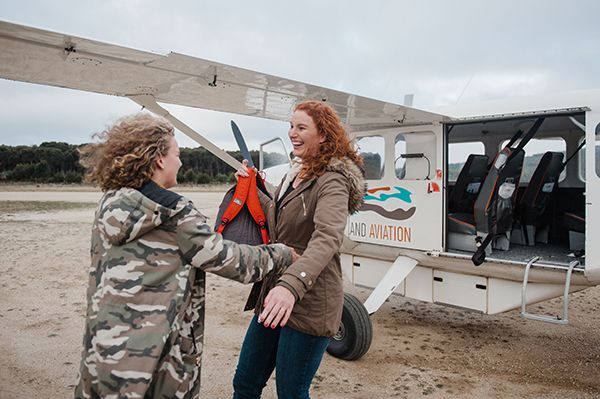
295	255
243	171
277	307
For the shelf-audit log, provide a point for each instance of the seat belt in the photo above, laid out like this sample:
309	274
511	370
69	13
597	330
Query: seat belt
572	155
514	138
479	255
532	131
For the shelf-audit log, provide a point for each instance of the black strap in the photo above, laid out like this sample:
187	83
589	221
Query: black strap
514	138
572	155
532	131
479	255
514	151
260	184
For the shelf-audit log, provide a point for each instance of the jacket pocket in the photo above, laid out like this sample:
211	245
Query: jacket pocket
176	374
300	310
313	303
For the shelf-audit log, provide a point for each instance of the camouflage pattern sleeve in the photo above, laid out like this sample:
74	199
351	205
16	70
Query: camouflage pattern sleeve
207	250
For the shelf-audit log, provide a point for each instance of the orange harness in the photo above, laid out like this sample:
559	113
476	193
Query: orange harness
246	193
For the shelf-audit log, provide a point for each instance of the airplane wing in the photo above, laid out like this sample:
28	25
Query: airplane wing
44	57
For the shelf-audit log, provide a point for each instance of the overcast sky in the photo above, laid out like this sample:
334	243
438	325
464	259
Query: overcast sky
443	52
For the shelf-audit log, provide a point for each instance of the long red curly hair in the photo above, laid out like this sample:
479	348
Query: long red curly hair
337	143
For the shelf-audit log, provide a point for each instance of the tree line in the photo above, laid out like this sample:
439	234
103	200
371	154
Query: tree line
57	162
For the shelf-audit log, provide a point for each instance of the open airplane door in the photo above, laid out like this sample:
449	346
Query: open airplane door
592	194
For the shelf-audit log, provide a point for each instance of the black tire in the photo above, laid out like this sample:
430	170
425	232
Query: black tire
354	337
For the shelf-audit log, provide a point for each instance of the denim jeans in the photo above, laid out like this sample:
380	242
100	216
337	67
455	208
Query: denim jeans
294	355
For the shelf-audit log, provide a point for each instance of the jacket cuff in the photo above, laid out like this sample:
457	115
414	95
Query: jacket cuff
281	283
299	281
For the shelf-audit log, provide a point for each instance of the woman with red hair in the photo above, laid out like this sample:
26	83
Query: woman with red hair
299	310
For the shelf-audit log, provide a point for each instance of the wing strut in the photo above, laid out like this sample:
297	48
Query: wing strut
147	101
395	275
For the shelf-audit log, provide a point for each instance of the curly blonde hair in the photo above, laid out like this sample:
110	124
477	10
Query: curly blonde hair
337	143
127	151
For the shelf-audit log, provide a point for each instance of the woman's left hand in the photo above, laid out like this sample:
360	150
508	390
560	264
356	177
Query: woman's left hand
243	171
277	307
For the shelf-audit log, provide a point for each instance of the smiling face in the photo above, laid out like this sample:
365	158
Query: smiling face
167	166
303	134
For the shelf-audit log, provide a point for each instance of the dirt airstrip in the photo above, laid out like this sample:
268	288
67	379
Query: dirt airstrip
419	350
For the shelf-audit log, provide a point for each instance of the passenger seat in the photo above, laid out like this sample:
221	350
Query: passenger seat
533	213
471	176
466	228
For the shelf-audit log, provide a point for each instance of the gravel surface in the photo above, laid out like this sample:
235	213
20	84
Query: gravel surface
419	350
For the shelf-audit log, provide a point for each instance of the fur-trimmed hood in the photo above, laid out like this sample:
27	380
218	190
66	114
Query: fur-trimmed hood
347	168
356	180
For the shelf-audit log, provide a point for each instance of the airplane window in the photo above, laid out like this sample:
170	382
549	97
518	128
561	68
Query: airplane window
372	149
400	163
534	150
273	153
414	156
581	156
597	158
597	147
458	154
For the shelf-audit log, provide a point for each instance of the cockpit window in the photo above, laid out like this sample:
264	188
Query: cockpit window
400	161
372	149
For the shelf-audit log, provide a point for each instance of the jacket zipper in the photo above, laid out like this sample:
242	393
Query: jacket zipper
303	204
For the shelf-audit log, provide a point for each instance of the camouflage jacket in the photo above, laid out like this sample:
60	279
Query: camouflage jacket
145	313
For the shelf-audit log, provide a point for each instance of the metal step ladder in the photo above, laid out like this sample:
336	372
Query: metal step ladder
564	319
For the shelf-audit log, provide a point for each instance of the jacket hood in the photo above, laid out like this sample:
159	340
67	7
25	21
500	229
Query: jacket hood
356	181
126	214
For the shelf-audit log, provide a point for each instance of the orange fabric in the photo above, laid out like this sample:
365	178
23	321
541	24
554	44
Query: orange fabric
253	204
460	221
574	216
237	202
246	193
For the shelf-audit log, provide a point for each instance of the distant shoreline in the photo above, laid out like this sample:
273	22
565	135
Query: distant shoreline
88	188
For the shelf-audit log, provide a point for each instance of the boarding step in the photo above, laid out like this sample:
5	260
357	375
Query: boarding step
564	319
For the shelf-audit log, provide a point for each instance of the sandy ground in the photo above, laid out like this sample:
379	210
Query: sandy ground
419	350
5	186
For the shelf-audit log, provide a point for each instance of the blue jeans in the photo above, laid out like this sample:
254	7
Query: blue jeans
295	356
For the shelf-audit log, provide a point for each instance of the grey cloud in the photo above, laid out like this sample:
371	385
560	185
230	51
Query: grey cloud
442	51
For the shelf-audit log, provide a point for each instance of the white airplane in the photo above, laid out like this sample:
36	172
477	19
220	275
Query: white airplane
445	190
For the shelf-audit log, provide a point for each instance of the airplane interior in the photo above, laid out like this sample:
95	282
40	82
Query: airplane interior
534	205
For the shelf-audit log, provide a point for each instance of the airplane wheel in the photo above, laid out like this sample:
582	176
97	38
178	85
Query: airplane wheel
354	337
